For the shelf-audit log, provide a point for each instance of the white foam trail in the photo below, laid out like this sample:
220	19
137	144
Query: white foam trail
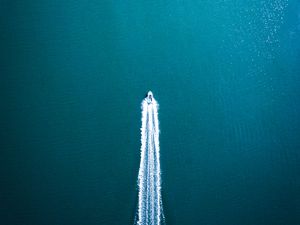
150	210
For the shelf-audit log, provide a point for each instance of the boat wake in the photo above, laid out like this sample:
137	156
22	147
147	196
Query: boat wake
150	210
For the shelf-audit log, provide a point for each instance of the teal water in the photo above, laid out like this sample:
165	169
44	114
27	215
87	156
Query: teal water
226	76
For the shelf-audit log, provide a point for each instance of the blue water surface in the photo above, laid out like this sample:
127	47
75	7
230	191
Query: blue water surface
226	76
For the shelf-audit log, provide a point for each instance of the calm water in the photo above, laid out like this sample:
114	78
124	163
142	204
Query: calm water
225	73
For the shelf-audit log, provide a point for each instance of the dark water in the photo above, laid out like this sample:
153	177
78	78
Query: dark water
226	75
